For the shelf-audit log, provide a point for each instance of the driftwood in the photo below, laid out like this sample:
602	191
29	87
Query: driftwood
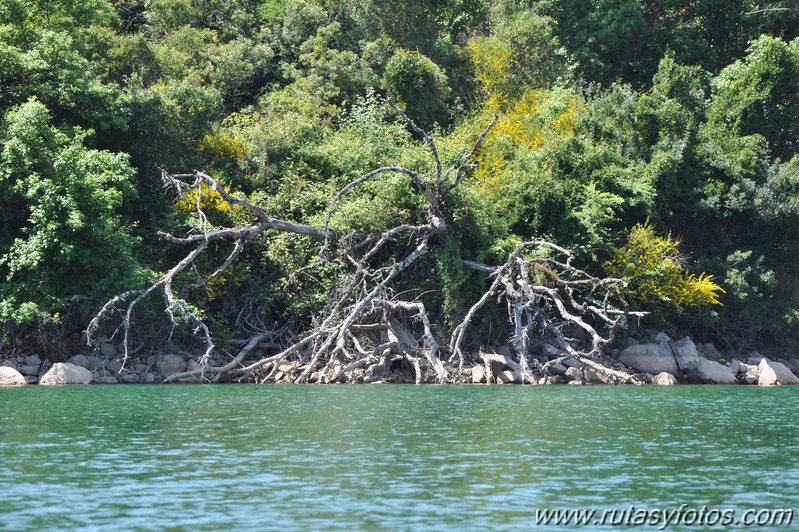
365	331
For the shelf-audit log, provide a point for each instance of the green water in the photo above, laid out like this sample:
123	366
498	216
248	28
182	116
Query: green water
384	457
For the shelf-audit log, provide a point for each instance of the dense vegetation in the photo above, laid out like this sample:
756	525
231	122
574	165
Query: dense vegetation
655	139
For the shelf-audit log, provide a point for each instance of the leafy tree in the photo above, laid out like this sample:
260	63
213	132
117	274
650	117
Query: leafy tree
64	240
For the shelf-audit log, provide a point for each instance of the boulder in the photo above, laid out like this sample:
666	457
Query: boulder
749	373
710	372
754	358
91	363
506	377
709	351
650	358
552	379
33	360
557	369
115	365
30	370
735	366
686	353
66	373
591	377
663	337
169	364
478	375
109	350
774	373
664	379
11	377
104	377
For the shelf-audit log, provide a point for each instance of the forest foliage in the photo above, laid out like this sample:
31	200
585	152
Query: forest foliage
657	139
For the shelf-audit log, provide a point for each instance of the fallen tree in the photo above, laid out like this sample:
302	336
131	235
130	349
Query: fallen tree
367	333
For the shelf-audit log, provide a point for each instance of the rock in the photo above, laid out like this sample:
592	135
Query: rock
664	379
33	360
750	373
710	372
108	350
169	364
31	379
128	378
478	375
591	376
103	377
506	377
709	351
571	362
11	377
686	353
552	351
287	367
91	363
66	373
663	337
557	369
147	378
30	370
735	366
774	373
141	368
192	365
650	358
115	365
754	358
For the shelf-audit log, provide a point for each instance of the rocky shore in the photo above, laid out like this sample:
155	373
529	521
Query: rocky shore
662	361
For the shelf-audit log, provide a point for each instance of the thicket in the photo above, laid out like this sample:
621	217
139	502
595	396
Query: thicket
624	127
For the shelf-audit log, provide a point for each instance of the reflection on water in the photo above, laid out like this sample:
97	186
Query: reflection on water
384	457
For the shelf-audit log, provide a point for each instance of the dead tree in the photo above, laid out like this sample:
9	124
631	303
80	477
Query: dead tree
366	330
778	9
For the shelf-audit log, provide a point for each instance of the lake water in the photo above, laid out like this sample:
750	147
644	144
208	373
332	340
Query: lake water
371	457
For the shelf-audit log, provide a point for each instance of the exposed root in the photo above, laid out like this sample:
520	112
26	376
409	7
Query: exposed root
367	334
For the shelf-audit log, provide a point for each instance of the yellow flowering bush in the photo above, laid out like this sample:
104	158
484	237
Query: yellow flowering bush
650	263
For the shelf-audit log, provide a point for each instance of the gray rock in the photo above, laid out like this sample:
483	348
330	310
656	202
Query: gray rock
774	373
108	350
663	337
478	375
557	369
66	373
552	351
148	378
709	351
91	363
30	370
571	362
141	368
735	366
102	377
128	378
650	358
664	379
506	377
710	372
754	358
11	377
31	379
686	353
33	360
169	364
115	365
